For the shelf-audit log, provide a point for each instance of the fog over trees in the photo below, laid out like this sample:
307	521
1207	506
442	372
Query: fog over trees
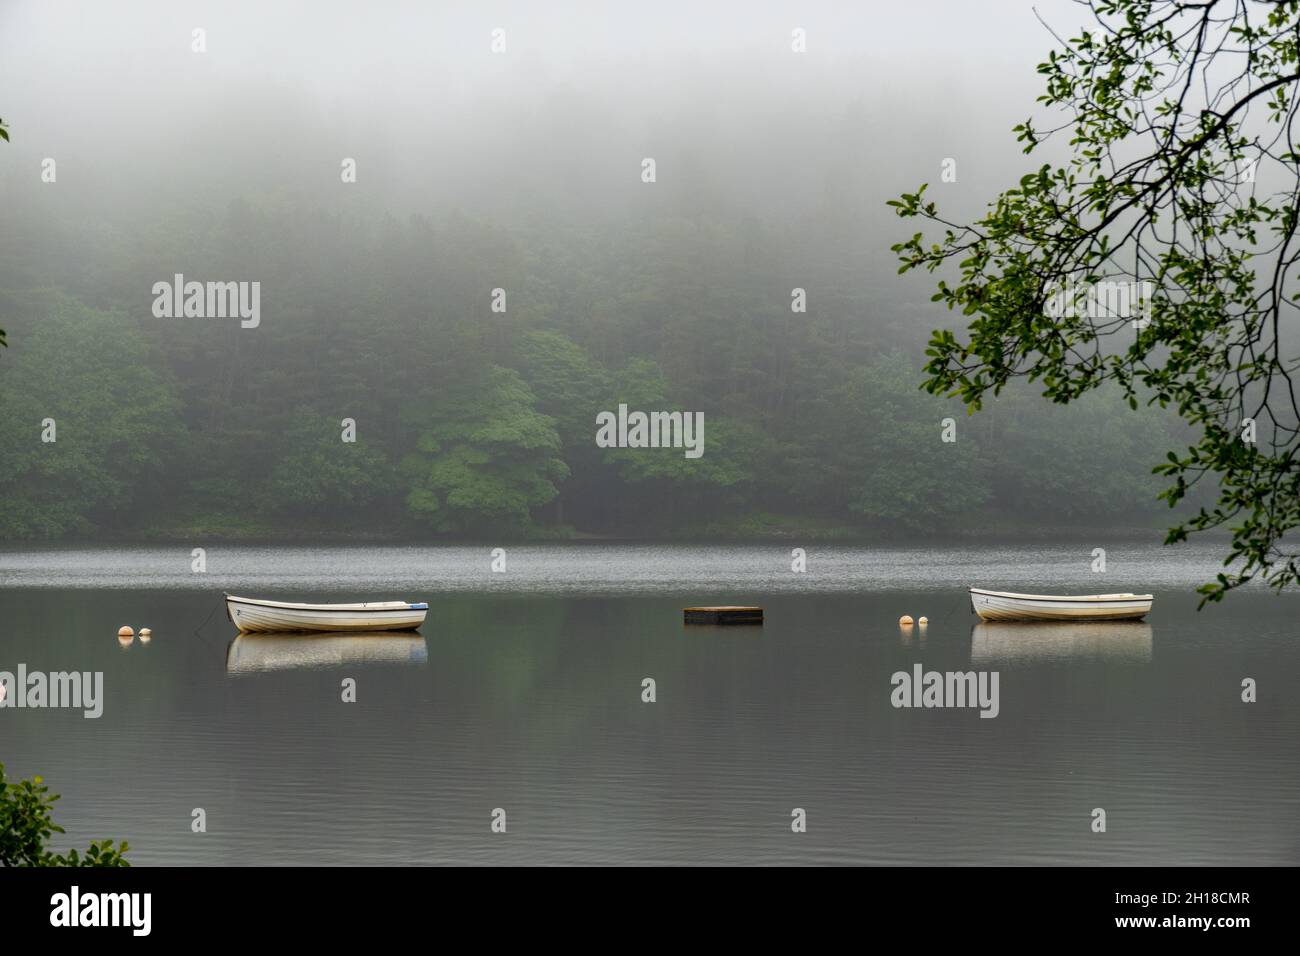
474	412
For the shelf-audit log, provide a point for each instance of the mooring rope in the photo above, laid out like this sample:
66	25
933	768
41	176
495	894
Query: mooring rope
198	631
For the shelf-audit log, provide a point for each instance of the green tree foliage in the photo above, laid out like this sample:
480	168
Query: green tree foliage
486	458
4	135
905	474
318	473
1179	172
93	374
662	486
570	386
27	823
1059	462
476	423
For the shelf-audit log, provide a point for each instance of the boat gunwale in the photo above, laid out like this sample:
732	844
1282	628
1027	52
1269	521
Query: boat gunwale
330	608
1058	598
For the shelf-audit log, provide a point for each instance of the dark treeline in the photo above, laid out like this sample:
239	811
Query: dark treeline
472	422
520	173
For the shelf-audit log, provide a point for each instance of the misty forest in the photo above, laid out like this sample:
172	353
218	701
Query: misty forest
464	276
742	433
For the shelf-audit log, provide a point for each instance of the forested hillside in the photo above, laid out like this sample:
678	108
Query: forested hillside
472	422
376	306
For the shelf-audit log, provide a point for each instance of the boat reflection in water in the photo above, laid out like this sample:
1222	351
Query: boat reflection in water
258	653
1011	643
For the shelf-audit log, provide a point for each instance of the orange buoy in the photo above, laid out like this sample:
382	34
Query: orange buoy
125	631
905	621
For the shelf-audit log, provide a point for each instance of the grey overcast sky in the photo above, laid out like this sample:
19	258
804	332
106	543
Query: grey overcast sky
117	57
413	91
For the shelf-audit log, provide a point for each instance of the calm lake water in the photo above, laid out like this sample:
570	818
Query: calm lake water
524	693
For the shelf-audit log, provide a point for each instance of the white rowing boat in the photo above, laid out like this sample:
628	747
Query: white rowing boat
1008	606
252	615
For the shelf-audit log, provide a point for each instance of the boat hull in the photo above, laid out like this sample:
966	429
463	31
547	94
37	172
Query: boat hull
1008	606
254	616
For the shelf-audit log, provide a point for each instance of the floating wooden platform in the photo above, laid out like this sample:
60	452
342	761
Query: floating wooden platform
728	614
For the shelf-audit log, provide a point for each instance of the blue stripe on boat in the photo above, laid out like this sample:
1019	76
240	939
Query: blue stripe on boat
418	607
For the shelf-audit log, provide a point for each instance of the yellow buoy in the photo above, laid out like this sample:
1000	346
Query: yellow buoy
905	621
923	621
145	635
125	631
